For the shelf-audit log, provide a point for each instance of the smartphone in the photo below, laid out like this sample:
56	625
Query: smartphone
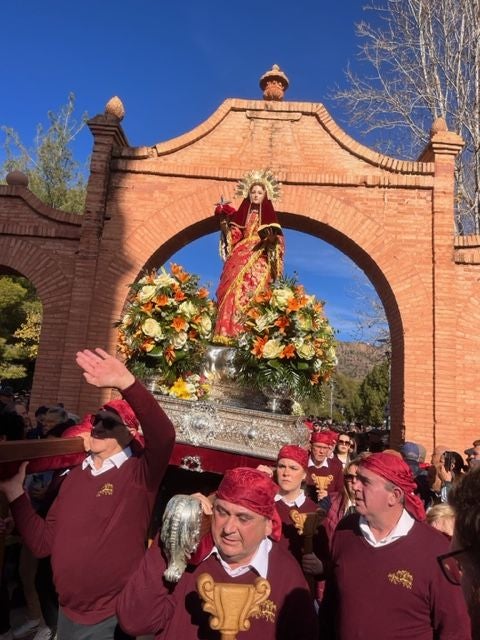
448	460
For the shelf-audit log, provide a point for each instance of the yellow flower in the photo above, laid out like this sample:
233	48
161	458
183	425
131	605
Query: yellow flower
152	328
272	349
146	293
179	389
304	322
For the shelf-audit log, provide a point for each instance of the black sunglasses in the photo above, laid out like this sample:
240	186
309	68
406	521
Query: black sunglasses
106	421
451	567
344	442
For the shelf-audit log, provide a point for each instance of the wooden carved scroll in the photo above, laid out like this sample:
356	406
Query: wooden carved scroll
231	605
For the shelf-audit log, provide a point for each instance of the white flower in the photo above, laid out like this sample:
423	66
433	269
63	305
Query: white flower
265	321
188	309
152	328
280	297
317	365
146	293
306	351
164	280
304	322
272	349
205	326
178	341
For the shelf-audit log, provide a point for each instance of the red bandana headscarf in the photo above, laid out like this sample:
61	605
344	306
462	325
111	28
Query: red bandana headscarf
253	490
324	437
395	470
293	452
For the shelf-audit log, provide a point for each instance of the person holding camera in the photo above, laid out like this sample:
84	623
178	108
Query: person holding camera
444	474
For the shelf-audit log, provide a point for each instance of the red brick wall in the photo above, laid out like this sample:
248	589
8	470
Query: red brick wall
393	218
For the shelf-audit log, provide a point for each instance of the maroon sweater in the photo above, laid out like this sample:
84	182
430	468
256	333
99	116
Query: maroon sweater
397	591
172	612
95	530
291	540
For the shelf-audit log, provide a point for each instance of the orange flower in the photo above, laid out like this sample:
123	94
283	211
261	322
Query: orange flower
253	313
161	300
263	296
258	345
283	322
179	323
192	334
318	307
288	352
179	273
299	290
203	292
169	354
148	307
294	304
179	295
148	344
315	378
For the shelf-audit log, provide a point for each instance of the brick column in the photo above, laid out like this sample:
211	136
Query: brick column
444	147
107	135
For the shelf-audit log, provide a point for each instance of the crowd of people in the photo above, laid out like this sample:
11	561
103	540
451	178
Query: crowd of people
353	544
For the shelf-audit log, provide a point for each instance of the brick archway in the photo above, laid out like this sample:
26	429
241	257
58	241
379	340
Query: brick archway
393	218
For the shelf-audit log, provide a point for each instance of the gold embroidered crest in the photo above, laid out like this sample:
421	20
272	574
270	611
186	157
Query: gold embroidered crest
402	577
268	610
106	490
322	482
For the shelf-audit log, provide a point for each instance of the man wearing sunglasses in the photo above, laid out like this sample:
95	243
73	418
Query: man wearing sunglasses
386	582
96	528
461	565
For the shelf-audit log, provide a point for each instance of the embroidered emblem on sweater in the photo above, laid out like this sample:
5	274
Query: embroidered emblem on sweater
106	490
267	610
402	577
322	482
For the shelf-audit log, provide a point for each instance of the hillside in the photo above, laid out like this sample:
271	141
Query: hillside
356	359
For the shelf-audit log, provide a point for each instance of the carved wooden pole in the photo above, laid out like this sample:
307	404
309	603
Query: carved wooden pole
307	526
231	605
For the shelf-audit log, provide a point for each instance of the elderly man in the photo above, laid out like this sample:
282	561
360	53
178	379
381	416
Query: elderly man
324	466
462	564
96	528
238	550
386	582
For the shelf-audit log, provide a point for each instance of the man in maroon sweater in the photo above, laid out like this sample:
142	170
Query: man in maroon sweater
386	581
95	530
324	465
238	550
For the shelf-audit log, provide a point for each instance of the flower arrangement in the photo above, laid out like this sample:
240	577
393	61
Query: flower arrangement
165	329
288	344
191	387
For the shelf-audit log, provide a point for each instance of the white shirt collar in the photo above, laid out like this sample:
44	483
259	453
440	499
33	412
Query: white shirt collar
400	530
258	563
114	461
311	463
299	500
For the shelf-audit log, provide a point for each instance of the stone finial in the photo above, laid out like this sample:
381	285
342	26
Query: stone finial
274	83
114	107
17	179
439	125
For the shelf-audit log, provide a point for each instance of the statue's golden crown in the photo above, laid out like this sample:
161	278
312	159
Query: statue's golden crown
259	176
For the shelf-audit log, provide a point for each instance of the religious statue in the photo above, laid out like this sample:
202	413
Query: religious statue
252	246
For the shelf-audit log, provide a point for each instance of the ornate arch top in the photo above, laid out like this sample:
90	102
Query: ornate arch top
236	113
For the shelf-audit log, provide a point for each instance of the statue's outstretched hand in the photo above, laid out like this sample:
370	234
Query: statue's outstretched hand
103	370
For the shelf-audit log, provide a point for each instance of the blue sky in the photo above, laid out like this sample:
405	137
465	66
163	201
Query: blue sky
173	64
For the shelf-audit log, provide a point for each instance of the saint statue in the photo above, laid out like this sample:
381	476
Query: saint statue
252	246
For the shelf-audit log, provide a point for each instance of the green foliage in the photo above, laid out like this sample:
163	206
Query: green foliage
55	177
20	323
374	395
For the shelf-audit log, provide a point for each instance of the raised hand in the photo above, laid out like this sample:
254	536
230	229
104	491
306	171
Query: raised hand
13	487
100	369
